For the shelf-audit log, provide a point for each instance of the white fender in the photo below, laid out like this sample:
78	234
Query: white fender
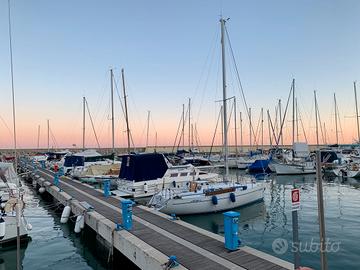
41	190
82	222
65	214
77	228
2	228
145	188
29	227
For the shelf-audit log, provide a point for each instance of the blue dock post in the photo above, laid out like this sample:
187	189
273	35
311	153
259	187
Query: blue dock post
231	224
42	163
126	207
61	171
56	179
106	184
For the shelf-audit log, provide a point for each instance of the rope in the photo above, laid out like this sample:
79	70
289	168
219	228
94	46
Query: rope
92	123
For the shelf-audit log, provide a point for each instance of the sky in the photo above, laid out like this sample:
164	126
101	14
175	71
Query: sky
170	52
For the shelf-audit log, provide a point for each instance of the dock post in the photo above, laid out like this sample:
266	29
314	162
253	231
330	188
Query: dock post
56	179
61	171
126	207
42	163
106	188
231	224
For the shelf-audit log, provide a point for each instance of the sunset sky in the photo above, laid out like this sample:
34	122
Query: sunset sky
170	51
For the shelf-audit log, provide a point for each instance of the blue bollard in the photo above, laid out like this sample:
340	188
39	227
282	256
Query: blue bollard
126	207
231	224
42	163
106	184
61	171
56	179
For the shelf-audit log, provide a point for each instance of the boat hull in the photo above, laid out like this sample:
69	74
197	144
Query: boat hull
288	169
190	206
11	231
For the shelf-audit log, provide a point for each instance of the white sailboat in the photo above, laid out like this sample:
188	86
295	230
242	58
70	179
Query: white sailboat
202	196
9	198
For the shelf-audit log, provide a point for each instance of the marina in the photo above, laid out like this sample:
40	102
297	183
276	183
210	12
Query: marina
139	140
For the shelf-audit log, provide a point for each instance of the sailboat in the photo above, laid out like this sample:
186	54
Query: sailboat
202	196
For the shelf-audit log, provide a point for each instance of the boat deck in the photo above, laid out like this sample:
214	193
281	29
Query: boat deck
193	248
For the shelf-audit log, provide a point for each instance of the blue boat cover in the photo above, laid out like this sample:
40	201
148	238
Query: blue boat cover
71	161
142	167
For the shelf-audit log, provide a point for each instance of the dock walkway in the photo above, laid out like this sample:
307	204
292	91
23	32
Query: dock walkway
194	248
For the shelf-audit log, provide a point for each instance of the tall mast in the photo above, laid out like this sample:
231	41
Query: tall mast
222	21
38	137
293	116
147	130
83	138
236	144
126	111
316	119
336	118
262	129
183	126
325	140
250	125
241	132
280	115
189	126
270	140
112	110
48	135
297	120
12	86
357	114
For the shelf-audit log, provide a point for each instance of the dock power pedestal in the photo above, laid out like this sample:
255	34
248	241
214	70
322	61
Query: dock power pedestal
126	207
231	225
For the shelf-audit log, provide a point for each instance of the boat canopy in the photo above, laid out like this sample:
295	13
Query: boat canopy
79	160
143	167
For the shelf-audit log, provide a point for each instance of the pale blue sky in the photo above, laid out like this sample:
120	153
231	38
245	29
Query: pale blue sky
63	50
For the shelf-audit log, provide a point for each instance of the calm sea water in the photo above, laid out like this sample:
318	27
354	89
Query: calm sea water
56	246
271	220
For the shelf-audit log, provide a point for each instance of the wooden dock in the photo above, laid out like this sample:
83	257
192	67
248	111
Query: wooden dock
154	237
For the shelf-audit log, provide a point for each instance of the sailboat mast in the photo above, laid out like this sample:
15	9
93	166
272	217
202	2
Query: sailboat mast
83	138
357	114
147	130
48	135
316	119
241	133
336	118
235	126
262	129
297	120
38	137
250	126
189	126
112	110
293	116
222	21
126	111
183	126
280	115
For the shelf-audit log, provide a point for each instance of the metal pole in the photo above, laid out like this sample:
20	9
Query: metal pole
357	113
189	135
281	136
18	266
296	242
222	21
262	129
147	131
321	212
316	119
38	138
83	139
236	145
270	140
112	110
297	120
48	135
250	137
126	111
336	117
293	116
241	132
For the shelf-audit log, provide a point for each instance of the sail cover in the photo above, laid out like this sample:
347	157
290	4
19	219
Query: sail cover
142	167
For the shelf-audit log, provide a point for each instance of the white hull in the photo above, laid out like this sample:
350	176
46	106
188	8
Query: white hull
151	187
293	168
11	230
346	173
204	204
